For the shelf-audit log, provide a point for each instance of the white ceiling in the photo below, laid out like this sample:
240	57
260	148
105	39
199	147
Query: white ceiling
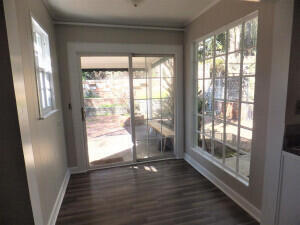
164	13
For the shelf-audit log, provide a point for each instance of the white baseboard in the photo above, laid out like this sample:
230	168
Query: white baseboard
241	201
59	199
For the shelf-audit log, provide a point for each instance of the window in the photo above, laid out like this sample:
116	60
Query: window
224	95
43	70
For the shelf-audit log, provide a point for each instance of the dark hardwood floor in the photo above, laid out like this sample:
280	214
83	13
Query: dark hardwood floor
160	193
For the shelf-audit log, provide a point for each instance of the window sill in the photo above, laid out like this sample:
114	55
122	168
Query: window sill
47	115
209	157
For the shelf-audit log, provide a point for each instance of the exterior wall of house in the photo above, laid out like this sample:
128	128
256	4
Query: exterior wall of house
45	137
225	12
81	34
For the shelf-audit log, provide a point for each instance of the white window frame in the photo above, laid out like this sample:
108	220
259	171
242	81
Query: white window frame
200	150
46	108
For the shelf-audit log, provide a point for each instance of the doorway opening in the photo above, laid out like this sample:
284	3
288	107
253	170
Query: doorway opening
128	108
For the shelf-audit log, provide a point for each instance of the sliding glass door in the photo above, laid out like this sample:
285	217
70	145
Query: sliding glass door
112	111
154	106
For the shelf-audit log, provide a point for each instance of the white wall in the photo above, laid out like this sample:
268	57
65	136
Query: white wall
225	12
83	34
44	138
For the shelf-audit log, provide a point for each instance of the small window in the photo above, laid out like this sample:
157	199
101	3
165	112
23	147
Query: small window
43	70
225	69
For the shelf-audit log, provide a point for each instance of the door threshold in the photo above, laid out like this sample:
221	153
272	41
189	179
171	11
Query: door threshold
140	162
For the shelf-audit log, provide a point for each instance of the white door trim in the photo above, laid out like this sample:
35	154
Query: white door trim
76	49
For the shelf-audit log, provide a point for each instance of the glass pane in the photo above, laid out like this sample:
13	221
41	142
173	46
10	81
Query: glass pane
47	81
220	66
209	47
208	106
140	109
139	88
249	63
218	150
199	140
207	126
48	97
235	38
219	130
154	72
244	164
245	140
247	115
154	129
208	88
245	152
230	157
232	112
200	51
234	64
207	144
200	96
167	87
209	68
139	67
231	135
199	123
233	87
221	44
200	69
219	88
250	35
154	109
141	128
153	87
167	67
248	85
168	144
219	109
167	108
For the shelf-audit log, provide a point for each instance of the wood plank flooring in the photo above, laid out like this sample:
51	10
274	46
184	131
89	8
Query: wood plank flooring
160	193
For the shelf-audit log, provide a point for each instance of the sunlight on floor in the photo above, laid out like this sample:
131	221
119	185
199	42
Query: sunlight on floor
107	146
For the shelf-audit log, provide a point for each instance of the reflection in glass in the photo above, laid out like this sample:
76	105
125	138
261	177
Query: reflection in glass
200	69
207	144
199	124
250	35
221	43
232	112
234	64
230	157
200	97
208	126
199	140
233	87
219	130
231	135
219	88
167	88
220	66
248	87
247	115
249	62
245	140
209	68
209	47
200	51
219	109
153	87
139	88
235	38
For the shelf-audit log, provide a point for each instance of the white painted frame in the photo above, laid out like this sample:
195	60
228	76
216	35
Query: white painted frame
75	50
197	149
